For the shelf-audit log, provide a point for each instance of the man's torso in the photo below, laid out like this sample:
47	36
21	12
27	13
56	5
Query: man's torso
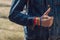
38	7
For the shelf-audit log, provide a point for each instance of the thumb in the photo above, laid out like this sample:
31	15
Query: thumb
47	12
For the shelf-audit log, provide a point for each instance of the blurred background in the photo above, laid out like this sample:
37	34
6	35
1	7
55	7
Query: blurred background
8	29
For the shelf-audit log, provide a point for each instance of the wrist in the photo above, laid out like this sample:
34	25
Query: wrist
37	21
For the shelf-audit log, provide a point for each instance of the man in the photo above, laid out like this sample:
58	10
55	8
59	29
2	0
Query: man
38	11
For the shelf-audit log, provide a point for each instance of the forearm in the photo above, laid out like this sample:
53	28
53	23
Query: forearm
19	18
15	12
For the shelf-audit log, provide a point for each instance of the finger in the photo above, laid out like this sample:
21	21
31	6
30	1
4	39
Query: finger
49	6
47	12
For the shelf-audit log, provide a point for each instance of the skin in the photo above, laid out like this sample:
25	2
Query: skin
45	19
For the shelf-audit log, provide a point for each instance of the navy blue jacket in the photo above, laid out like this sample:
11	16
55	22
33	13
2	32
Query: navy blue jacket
36	8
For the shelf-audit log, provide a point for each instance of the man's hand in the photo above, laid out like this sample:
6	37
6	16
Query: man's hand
46	21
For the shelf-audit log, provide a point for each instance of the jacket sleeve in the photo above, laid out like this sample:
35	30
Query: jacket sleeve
15	12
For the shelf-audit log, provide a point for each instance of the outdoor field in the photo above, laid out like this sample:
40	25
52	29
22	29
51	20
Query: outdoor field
8	29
